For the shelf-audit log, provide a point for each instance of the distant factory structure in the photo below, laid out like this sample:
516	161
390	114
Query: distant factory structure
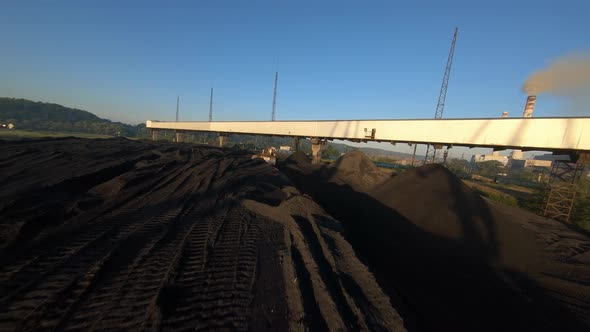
495	156
552	157
516	160
519	164
542	161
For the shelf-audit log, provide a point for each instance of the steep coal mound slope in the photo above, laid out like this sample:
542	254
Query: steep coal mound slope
438	202
298	158
454	261
121	234
356	170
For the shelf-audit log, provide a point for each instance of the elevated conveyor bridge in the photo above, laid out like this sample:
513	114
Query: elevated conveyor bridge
566	135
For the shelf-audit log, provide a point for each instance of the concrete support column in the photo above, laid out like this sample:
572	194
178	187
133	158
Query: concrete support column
317	145
179	136
155	134
222	137
296	144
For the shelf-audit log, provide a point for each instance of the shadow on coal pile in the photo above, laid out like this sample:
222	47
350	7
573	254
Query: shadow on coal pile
448	259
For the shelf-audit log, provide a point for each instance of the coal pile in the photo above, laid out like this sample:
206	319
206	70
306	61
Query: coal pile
122	234
439	203
451	260
356	170
298	158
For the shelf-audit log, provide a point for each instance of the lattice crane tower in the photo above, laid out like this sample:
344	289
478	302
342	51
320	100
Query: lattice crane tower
440	106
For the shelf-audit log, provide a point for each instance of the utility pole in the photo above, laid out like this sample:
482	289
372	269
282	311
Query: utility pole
440	106
211	106
274	97
179	135
177	104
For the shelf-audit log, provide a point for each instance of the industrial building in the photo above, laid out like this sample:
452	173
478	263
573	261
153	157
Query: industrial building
495	156
516	160
518	164
552	157
542	161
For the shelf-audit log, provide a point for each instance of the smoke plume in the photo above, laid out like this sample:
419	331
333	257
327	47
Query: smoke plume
568	75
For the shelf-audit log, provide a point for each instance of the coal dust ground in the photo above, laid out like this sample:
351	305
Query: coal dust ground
119	234
449	259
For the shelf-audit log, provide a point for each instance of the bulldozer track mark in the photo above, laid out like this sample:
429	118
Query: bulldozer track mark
62	277
216	274
68	252
171	188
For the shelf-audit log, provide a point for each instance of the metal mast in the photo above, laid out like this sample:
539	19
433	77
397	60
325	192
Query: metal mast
177	103
211	106
562	187
440	106
274	96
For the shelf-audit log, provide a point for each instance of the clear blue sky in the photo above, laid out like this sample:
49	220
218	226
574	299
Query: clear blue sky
337	60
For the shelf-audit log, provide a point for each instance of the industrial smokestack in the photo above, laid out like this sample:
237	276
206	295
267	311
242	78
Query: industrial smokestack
529	107
504	114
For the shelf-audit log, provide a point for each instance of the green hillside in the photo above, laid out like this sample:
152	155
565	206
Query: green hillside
47	117
31	115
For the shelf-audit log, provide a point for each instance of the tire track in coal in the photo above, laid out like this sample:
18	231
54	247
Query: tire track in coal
44	214
47	164
326	273
53	283
101	297
313	317
217	267
195	255
63	280
91	304
50	316
125	209
220	298
101	229
157	230
177	308
217	288
94	306
138	304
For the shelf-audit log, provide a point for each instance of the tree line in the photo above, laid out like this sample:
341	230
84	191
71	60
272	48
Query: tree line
27	114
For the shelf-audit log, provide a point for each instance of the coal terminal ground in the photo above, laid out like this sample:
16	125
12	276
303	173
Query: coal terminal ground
118	234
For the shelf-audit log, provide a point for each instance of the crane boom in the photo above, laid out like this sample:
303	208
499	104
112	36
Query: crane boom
440	105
